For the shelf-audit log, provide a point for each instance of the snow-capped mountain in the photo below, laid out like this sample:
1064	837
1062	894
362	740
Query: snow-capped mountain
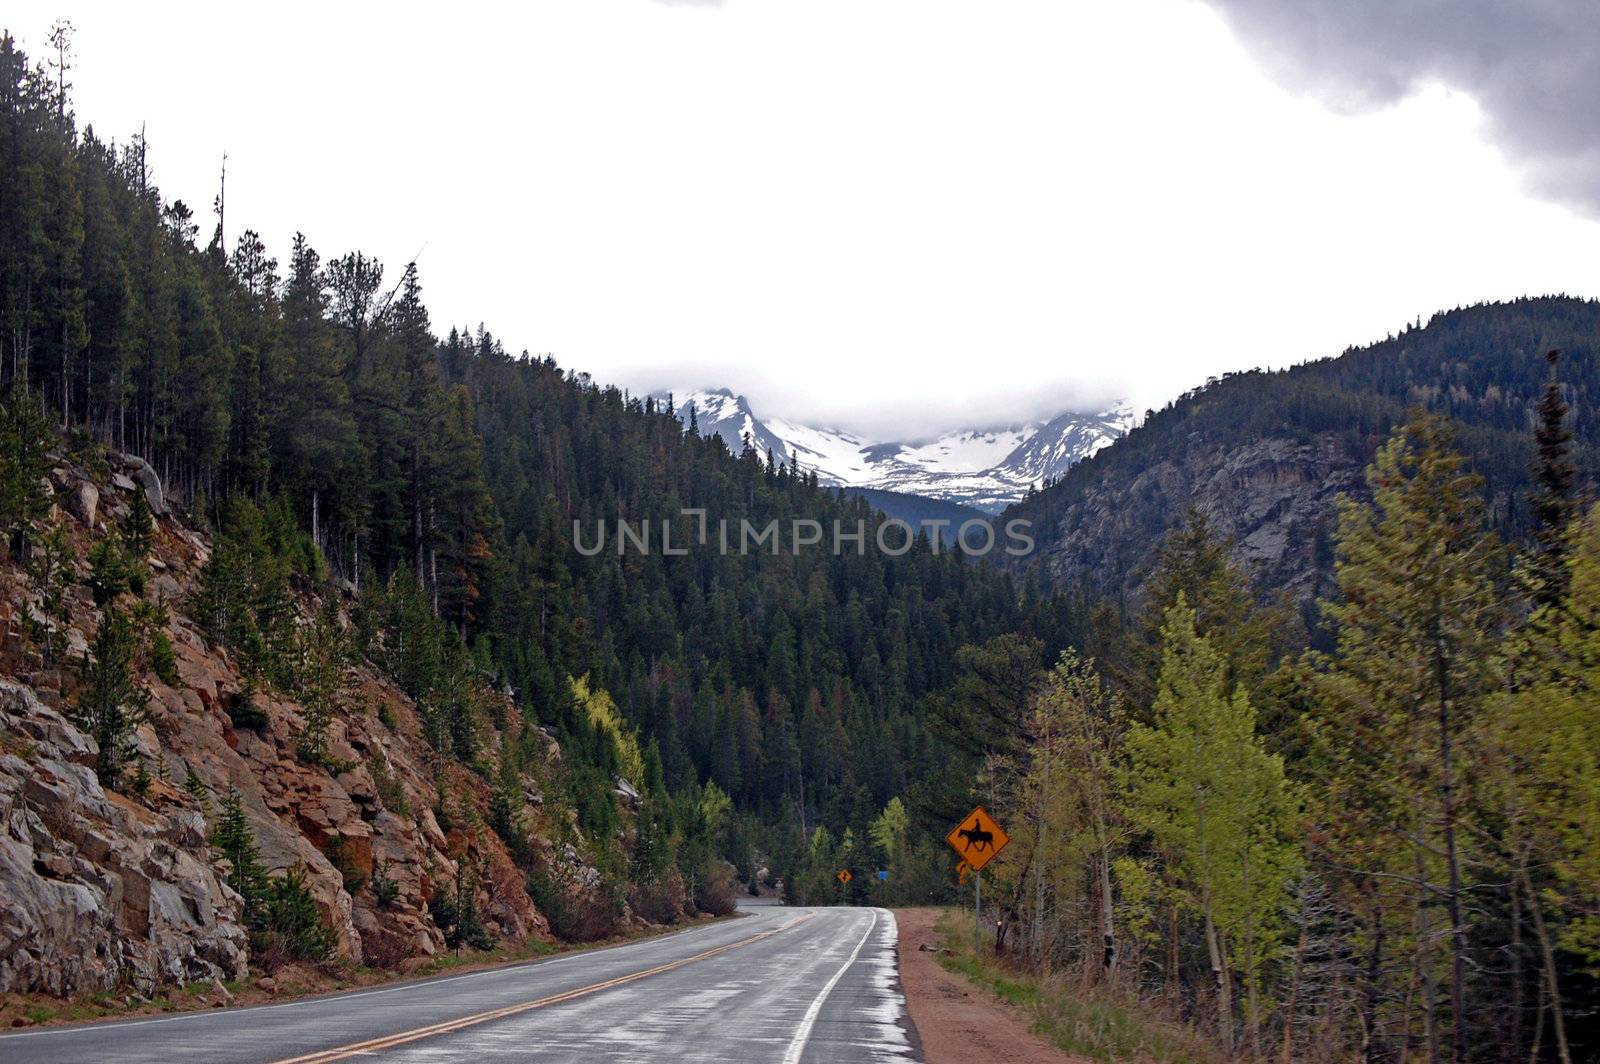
986	468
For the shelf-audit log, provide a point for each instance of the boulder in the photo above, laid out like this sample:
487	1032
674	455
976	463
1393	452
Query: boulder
150	481
83	502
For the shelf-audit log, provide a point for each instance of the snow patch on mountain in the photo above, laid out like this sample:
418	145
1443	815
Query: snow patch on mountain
987	468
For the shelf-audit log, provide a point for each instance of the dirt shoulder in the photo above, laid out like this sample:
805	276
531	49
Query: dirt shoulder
959	1023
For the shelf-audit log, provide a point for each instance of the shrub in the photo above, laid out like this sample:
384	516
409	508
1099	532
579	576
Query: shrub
49	575
385	890
659	900
290	921
575	913
456	913
715	893
163	661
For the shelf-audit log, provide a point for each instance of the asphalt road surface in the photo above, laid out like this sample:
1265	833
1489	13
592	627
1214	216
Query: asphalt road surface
789	986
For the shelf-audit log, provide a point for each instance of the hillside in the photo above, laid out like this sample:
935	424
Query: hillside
115	862
331	462
1263	455
915	509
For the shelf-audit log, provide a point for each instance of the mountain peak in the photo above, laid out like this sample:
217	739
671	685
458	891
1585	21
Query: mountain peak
986	467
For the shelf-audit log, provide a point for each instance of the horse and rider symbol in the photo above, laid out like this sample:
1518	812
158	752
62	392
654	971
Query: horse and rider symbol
977	838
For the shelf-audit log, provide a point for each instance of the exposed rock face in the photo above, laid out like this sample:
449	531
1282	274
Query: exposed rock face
150	481
1275	499
96	886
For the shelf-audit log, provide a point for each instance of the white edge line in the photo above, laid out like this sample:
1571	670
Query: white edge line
802	1034
324	999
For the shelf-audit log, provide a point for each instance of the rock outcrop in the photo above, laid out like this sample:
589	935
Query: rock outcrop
98	887
101	887
1274	499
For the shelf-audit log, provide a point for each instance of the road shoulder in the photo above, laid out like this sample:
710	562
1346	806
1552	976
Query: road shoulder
957	1022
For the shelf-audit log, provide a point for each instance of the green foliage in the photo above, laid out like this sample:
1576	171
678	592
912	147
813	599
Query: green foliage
112	704
233	840
291	922
456	912
49	576
138	528
280	911
385	891
316	674
1211	796
110	572
1481	366
339	855
243	712
244	602
163	660
603	715
26	436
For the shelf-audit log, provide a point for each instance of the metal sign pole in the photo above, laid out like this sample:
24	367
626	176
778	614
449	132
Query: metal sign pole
977	917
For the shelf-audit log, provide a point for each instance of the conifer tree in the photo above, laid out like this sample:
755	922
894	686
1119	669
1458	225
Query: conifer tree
1553	497
112	703
1415	626
25	440
233	839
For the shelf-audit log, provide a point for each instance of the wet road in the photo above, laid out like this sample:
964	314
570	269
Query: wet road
786	985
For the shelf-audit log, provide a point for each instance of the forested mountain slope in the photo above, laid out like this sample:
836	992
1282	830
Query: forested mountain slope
307	415
1264	454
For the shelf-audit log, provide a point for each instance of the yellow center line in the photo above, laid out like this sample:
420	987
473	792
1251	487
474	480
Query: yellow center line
327	1056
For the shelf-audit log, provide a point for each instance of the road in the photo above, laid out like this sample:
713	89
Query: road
785	985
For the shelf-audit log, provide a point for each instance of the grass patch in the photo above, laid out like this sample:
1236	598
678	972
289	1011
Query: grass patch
1094	1022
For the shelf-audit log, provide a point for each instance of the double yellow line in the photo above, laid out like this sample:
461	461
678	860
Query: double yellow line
327	1056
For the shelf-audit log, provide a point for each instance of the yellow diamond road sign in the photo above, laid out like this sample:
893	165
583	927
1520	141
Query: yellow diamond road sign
977	838
845	876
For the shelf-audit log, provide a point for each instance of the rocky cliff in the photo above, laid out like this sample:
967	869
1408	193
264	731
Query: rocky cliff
1263	454
103	888
1273	499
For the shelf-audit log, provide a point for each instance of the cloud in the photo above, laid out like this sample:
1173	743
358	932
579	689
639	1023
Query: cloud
1532	65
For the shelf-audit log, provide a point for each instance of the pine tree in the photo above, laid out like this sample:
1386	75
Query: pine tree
138	528
49	576
233	839
109	571
1415	627
25	440
112	704
1553	498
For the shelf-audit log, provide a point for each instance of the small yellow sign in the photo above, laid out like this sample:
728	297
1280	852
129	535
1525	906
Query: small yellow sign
963	870
845	876
977	838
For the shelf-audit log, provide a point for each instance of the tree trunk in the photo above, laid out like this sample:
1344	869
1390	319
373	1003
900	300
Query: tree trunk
1371	1048
1458	929
1548	954
1219	971
1108	933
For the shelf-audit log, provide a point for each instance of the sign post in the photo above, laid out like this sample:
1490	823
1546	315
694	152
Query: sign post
977	838
977	914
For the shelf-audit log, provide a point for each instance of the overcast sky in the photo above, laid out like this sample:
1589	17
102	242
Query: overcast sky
894	217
